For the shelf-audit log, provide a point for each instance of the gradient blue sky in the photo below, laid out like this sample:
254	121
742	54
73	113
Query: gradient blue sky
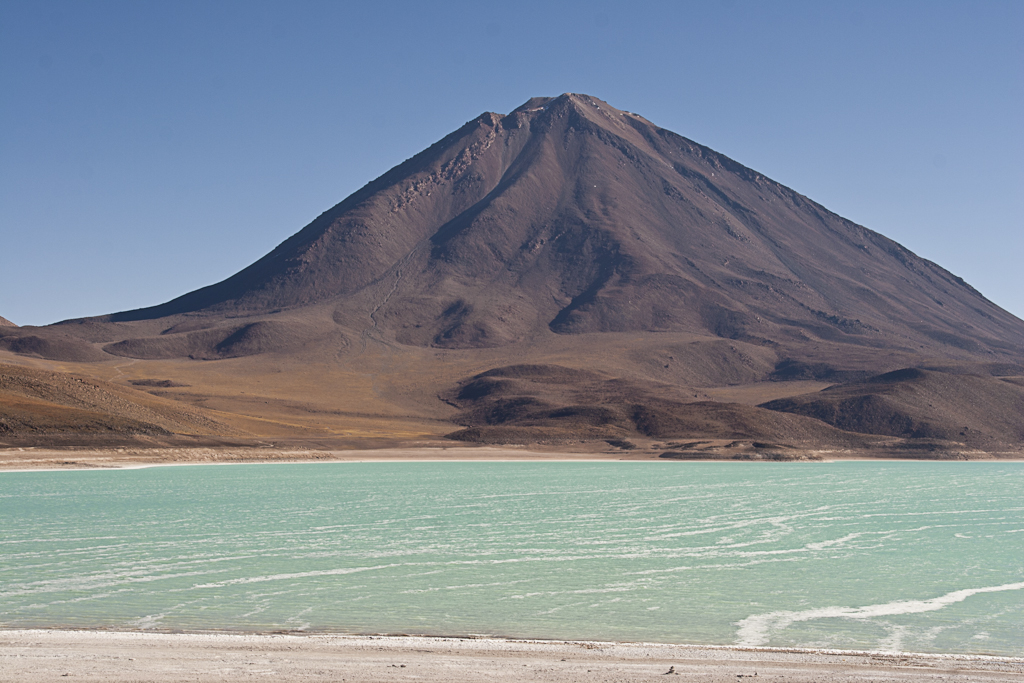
151	148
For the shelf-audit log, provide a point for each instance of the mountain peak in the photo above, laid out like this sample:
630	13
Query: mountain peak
570	216
565	101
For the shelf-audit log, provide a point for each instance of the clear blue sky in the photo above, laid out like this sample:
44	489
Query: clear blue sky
151	148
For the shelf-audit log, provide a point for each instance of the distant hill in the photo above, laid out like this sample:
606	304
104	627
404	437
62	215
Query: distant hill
4	322
570	234
923	404
43	403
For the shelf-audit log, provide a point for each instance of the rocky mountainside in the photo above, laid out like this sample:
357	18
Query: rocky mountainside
4	322
670	270
571	216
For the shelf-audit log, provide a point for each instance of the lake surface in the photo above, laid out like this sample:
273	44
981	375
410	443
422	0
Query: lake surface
918	556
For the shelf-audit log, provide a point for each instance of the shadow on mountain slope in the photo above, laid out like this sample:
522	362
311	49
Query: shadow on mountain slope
527	403
977	411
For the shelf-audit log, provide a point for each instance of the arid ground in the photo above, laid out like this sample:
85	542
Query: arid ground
29	656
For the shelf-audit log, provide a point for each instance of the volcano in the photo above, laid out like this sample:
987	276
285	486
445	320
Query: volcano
572	230
572	216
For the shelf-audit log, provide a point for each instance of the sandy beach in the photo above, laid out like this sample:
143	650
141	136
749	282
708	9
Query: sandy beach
47	655
43	458
26	459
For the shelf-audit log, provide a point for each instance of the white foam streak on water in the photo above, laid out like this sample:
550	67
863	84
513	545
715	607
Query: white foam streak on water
294	575
434	589
93	582
758	629
57	540
957	513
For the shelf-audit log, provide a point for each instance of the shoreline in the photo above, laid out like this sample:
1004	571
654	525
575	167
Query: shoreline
146	466
492	640
52	460
124	655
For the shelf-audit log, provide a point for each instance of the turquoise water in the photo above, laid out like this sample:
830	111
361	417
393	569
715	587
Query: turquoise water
920	556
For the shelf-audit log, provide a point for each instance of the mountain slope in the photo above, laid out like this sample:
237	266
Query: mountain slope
38	402
924	404
571	216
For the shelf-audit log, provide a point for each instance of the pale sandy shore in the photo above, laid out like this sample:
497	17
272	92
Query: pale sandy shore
42	458
126	458
50	655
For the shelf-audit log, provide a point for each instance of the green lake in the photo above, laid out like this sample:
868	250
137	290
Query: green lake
911	556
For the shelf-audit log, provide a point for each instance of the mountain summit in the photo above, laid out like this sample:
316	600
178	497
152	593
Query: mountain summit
573	216
571	270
